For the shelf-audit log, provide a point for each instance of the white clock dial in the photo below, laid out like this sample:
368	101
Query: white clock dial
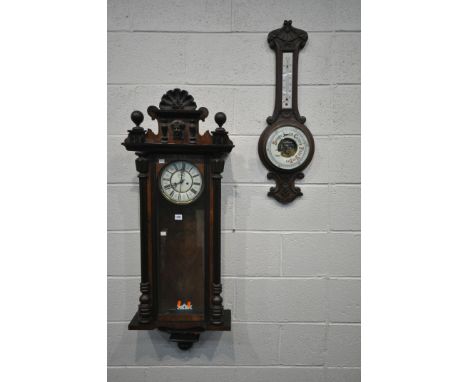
286	95
287	147
181	182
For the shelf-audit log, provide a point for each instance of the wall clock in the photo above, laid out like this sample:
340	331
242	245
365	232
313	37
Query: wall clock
180	219
286	146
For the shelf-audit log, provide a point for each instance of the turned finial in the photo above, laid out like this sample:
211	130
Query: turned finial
220	119
137	118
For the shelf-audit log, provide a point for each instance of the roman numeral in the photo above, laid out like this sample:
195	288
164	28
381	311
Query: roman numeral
195	175
172	193
195	192
167	186
196	184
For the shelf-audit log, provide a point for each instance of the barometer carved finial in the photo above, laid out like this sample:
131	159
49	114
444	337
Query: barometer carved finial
287	37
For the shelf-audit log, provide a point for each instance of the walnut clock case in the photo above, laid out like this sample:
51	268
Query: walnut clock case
180	219
286	146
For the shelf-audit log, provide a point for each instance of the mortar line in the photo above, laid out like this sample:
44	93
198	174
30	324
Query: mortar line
254	231
129	277
130	17
325	356
231	17
123	231
329	226
333	323
310	323
232	32
324	277
228	366
327	282
322	136
281	254
234	304
234	197
253	184
279	343
193	84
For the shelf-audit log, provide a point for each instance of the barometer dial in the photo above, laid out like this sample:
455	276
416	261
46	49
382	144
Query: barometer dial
287	147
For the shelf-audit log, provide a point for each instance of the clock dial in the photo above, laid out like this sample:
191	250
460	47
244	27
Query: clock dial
181	182
286	94
287	147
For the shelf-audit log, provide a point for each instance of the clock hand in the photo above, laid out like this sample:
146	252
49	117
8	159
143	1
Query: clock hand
181	180
175	184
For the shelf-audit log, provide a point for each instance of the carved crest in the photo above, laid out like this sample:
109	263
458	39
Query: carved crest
287	37
178	123
177	100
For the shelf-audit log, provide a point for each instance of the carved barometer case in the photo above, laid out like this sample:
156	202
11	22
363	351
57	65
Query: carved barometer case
179	173
286	146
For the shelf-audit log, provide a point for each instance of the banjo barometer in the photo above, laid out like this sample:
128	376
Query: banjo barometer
180	219
286	146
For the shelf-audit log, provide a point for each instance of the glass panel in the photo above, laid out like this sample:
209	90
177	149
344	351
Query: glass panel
287	80
181	266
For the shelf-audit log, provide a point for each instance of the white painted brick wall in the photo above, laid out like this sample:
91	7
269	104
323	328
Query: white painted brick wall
194	15
291	274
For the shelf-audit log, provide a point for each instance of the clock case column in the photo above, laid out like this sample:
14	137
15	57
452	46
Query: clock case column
178	135
145	307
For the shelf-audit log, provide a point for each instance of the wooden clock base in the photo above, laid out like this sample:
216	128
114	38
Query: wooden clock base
184	333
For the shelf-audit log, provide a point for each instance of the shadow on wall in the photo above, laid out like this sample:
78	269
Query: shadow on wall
153	348
209	344
140	348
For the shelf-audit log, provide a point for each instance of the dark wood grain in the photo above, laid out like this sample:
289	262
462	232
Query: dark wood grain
285	39
185	263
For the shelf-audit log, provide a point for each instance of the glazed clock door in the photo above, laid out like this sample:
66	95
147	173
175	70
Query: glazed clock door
181	218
